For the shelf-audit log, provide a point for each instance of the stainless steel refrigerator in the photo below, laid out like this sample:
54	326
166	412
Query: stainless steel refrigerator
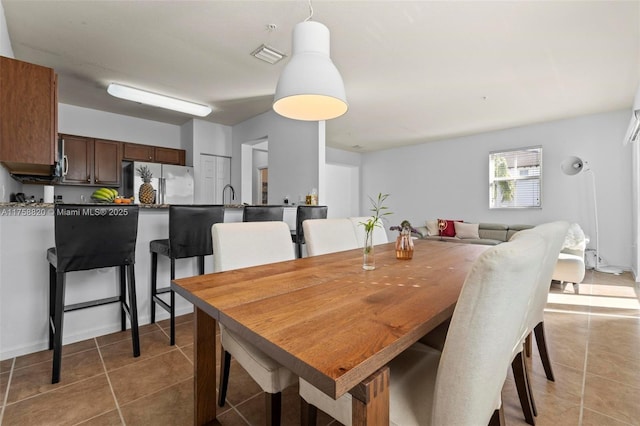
173	184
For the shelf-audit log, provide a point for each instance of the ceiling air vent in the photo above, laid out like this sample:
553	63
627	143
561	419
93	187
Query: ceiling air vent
268	54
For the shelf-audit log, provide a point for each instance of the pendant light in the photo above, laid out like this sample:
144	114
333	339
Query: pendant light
310	87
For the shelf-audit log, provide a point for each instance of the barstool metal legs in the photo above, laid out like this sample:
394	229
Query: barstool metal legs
154	279
57	285
155	299
172	306
56	299
133	310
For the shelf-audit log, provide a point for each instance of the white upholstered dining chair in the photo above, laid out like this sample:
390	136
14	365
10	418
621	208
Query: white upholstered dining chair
329	235
240	245
461	385
553	234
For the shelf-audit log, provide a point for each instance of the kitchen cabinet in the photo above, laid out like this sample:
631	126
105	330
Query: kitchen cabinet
137	152
154	154
169	156
76	162
107	162
89	161
28	117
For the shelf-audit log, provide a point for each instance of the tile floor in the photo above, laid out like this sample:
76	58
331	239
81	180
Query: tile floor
594	339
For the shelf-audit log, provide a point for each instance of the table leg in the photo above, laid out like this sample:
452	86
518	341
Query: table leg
204	365
370	402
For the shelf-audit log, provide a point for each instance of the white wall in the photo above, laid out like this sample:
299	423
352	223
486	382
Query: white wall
343	190
296	155
81	121
203	137
449	179
5	42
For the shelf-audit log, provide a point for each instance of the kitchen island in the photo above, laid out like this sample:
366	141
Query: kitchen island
27	231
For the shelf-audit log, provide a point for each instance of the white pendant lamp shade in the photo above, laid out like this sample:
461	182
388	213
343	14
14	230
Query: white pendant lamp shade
310	87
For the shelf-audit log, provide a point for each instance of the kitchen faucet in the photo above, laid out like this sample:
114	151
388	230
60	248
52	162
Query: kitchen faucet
233	192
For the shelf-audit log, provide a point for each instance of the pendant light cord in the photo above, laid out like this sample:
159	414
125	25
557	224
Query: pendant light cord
310	12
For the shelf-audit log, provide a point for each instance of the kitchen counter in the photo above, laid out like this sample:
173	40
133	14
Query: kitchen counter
142	206
27	231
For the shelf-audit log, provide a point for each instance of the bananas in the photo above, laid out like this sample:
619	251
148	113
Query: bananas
104	195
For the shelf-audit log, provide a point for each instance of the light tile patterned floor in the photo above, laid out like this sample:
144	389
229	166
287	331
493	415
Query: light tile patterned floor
594	339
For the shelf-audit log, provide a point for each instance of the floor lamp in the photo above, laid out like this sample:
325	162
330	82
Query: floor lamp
571	167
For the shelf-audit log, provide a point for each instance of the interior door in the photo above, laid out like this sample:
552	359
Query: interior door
215	173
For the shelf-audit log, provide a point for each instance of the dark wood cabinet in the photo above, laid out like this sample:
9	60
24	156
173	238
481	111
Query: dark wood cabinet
77	159
137	152
89	161
154	154
169	156
28	117
107	159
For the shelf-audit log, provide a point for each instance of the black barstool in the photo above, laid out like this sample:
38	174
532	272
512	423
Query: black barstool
303	213
189	236
262	213
91	237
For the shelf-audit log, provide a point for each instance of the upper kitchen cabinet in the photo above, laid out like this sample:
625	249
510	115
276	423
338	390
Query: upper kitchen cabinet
169	156
154	154
28	117
137	152
77	159
89	161
107	162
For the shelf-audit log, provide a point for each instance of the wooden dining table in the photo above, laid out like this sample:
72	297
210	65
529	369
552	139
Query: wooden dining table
328	320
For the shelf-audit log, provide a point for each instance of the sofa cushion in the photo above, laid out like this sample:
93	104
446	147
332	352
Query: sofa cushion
466	230
432	227
493	231
450	230
575	239
485	241
422	231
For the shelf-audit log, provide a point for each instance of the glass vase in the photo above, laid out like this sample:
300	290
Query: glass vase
369	260
404	247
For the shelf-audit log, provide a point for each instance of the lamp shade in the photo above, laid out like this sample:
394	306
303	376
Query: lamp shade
572	166
310	87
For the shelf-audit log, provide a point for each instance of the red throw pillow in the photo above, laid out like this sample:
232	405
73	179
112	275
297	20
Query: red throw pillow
450	230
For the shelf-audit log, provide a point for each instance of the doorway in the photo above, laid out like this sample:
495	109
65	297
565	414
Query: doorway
264	185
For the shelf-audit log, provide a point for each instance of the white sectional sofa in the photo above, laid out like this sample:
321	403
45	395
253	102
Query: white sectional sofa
569	269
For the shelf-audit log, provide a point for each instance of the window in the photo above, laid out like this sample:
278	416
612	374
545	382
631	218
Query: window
515	178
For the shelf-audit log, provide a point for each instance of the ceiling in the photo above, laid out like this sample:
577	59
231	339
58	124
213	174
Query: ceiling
413	71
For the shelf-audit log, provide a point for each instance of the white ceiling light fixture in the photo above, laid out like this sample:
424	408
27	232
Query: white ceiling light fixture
154	99
310	87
